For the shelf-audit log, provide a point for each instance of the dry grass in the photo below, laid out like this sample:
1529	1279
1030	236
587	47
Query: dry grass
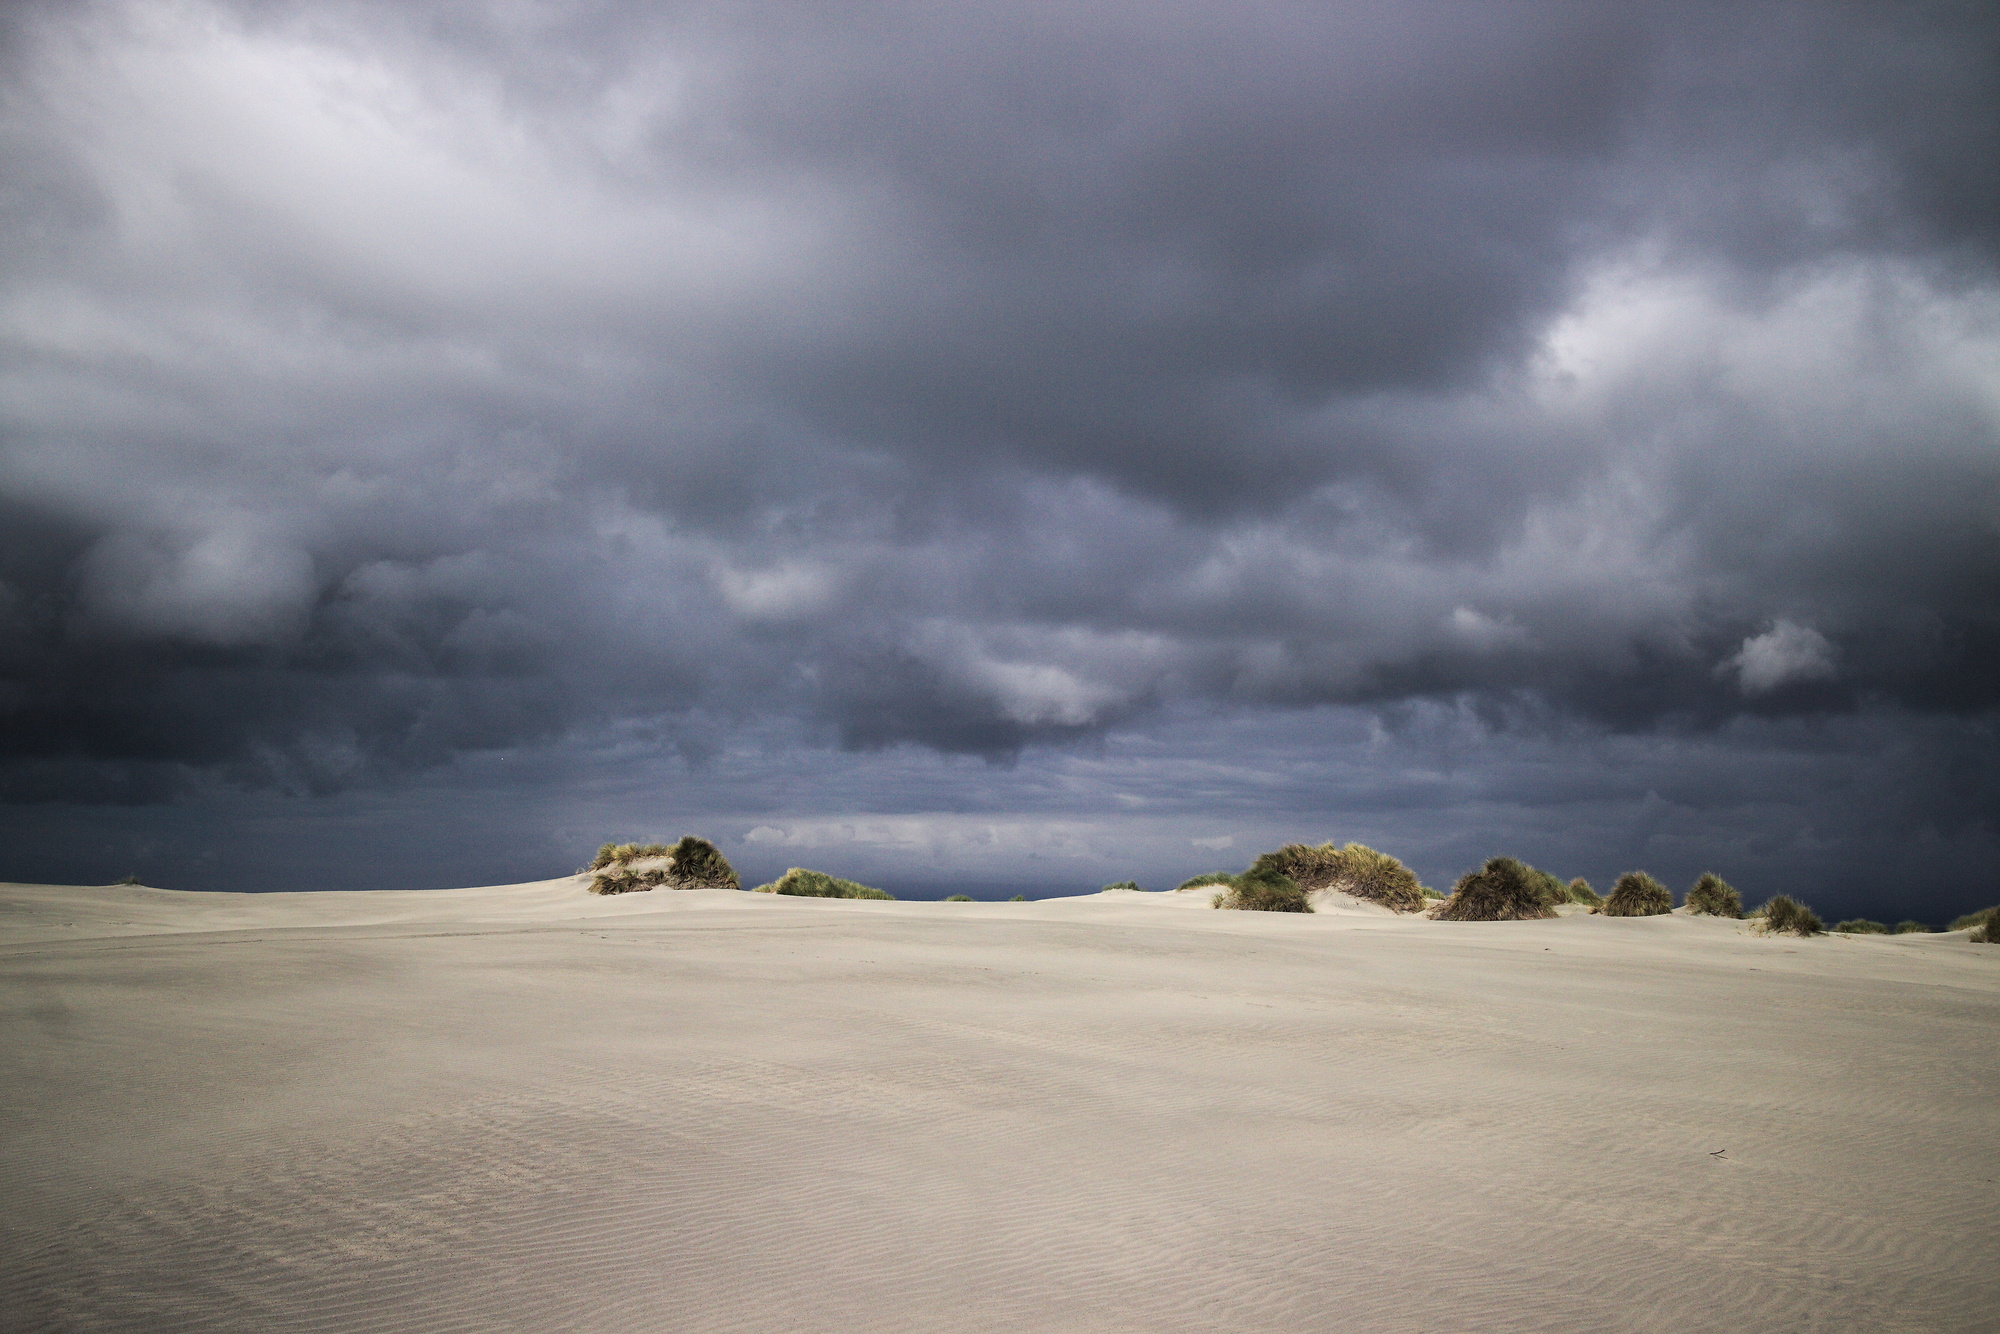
1973	919
1122	884
1503	890
1581	892
1205	879
1784	915
1909	928
802	883
699	864
1263	891
1712	896
1636	894
1355	869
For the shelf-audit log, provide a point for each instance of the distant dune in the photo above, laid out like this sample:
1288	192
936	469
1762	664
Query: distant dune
527	1107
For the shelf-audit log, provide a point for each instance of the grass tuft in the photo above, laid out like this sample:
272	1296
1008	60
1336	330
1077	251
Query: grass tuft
1018	898
618	880
956	898
1581	892
1636	894
1503	890
130	880
801	883
1973	919
1264	890
1222	878
1785	915
699	864
1355	869
1908	928
1122	884
1712	896
1861	926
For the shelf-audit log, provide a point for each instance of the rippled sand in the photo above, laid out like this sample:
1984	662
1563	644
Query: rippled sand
524	1108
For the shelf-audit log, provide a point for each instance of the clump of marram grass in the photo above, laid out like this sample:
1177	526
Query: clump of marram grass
1355	869
1712	896
1581	892
801	883
1636	894
1263	890
1553	890
699	864
1432	894
956	898
1122	884
1785	915
1503	890
1909	928
1861	926
1975	920
617	880
129	880
1018	898
1205	879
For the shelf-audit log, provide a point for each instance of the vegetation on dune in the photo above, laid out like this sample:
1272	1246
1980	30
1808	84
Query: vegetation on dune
1122	884
1503	890
1018	898
1974	920
1861	926
1433	895
1355	869
1784	915
693	863
956	898
1554	891
1712	896
1263	890
1206	878
130	880
802	883
1636	894
1908	928
1581	892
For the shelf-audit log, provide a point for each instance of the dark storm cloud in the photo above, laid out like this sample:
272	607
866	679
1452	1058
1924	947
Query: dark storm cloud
385	383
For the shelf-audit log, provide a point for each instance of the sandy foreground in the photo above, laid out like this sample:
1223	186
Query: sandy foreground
526	1108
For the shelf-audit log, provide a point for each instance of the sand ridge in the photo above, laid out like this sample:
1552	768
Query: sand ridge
527	1107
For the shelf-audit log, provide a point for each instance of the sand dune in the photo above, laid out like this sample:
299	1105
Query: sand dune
526	1108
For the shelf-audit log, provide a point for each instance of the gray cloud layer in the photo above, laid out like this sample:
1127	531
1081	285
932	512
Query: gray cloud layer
383	385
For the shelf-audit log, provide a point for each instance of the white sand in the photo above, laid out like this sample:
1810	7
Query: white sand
525	1108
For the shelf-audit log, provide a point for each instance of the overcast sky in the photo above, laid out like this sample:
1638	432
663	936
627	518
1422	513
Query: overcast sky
1001	444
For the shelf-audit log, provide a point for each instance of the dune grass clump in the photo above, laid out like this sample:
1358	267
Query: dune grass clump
1712	896
956	898
1355	869
1122	884
699	864
1018	898
1581	892
1554	891
1861	926
801	883
1975	920
1636	894
129	880
1503	890
1205	879
1263	890
617	880
1908	928
1784	915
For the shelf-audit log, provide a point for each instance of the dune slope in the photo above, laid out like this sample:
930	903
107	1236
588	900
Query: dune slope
523	1108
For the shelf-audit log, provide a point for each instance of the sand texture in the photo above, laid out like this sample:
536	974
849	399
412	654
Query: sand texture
526	1108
